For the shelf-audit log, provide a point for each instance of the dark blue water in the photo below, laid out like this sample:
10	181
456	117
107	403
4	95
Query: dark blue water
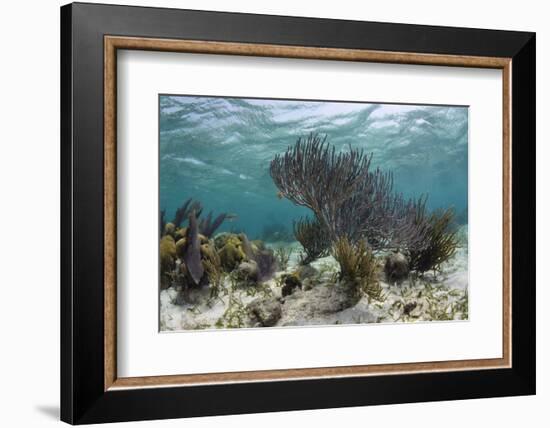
218	150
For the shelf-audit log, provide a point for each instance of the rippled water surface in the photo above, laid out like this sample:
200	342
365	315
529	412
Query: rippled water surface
217	150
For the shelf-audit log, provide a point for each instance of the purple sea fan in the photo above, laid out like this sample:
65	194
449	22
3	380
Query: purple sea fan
348	199
207	226
183	212
313	175
192	250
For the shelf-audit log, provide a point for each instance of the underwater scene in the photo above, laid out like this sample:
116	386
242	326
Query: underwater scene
277	213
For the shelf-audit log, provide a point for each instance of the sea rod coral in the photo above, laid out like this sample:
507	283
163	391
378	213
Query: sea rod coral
313	237
347	198
441	241
313	175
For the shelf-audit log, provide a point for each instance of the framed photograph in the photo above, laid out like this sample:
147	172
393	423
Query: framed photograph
266	213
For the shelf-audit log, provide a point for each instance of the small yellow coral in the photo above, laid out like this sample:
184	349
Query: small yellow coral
167	258
358	268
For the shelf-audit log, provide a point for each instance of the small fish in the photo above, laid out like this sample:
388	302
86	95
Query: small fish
280	195
231	216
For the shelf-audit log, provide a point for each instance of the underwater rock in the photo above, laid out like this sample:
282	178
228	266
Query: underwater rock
169	229
332	300
291	283
231	256
264	312
396	267
409	307
248	271
192	252
321	300
306	271
307	284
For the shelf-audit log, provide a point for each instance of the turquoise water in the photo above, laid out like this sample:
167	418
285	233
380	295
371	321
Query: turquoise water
217	150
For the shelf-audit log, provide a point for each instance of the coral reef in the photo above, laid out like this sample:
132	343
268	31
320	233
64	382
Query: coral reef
322	299
364	251
190	258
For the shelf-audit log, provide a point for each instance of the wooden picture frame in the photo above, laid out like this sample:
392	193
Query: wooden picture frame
91	390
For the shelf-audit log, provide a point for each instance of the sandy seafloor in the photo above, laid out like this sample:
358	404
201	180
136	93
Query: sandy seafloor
429	298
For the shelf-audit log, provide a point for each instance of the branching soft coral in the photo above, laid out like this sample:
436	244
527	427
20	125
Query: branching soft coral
358	268
313	237
313	175
440	241
347	198
183	212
